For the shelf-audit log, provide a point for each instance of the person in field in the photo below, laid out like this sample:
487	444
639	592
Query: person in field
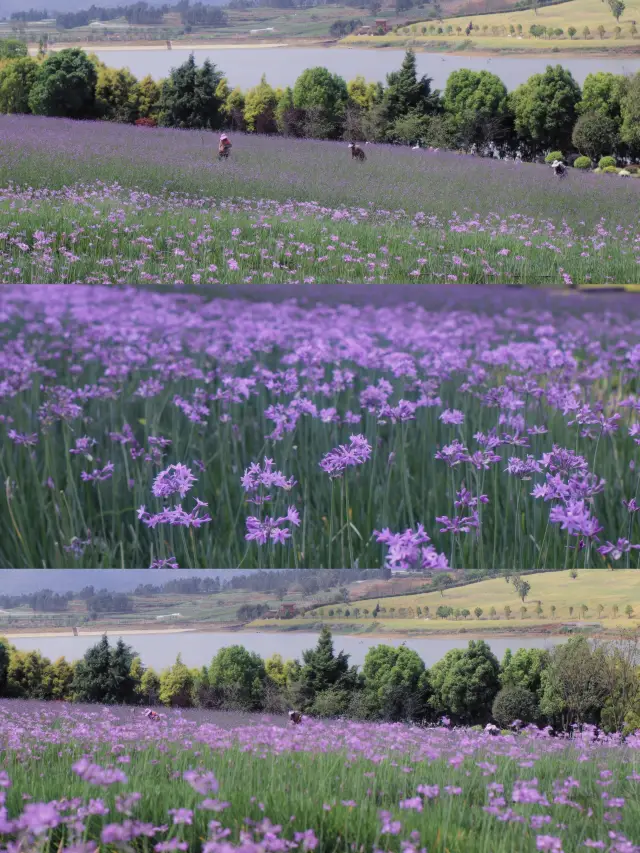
559	169
295	717
357	153
151	715
224	146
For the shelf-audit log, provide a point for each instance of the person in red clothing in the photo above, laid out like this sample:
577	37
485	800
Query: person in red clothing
151	715
224	146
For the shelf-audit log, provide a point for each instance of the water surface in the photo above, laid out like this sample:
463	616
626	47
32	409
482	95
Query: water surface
160	650
244	66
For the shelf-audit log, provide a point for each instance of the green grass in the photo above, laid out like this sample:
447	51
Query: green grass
337	794
576	13
592	587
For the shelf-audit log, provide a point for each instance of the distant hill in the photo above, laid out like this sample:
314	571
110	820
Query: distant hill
23	581
7	7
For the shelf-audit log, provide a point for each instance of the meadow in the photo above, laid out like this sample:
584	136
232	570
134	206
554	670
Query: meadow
561	597
508	31
144	428
299	211
73	779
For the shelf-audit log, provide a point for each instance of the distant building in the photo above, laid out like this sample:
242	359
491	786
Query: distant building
286	611
382	24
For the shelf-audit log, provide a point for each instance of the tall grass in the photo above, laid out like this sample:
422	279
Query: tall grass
251	367
334	779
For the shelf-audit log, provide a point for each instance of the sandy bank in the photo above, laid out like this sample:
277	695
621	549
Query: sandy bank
66	632
160	47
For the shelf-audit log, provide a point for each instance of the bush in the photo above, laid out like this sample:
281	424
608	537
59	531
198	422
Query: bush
610	170
553	155
606	162
582	163
594	134
514	703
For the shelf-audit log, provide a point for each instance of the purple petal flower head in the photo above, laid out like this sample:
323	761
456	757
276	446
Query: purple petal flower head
549	842
38	818
203	783
575	517
453	453
167	563
403	412
307	840
255	477
94	774
262	531
98	474
615	552
459	524
562	460
336	462
176	479
83	446
176	516
25	439
406	551
631	506
452	416
464	498
524	469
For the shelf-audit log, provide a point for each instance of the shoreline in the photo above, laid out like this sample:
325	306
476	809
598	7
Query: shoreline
28	634
433	48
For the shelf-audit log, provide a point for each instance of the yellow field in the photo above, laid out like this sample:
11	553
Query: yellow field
485	36
592	587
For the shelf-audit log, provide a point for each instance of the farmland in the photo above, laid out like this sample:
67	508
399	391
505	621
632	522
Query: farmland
509	31
191	784
605	597
144	428
295	211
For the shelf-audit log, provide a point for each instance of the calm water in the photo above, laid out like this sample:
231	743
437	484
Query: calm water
160	650
244	67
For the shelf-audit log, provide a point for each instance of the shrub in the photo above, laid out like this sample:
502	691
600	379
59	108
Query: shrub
514	703
606	162
610	170
582	163
553	155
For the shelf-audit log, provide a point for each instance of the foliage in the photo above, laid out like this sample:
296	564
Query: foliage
238	675
17	79
176	685
189	97
465	683
593	134
260	108
514	703
573	684
396	683
545	108
554	155
606	161
65	86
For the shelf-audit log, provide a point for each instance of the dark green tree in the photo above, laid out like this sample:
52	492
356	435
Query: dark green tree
92	677
123	683
65	86
407	93
4	668
465	682
396	683
323	670
13	49
514	703
545	109
595	135
189	97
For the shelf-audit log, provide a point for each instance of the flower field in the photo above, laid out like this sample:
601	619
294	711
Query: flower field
141	428
104	203
74	780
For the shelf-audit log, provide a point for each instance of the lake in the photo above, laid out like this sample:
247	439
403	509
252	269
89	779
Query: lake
244	66
160	650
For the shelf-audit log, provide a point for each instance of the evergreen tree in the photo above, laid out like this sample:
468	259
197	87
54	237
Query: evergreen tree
323	670
189	97
123	683
4	668
92	677
406	93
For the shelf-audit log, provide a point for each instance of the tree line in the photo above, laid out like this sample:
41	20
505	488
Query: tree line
548	113
575	683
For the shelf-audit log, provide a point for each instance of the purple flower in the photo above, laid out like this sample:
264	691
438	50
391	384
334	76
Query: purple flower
271	528
176	479
98	474
336	462
452	416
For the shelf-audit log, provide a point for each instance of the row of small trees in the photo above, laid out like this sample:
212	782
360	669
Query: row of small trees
575	682
548	112
445	611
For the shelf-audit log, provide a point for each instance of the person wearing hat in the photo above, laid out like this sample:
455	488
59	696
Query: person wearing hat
559	168
295	717
224	145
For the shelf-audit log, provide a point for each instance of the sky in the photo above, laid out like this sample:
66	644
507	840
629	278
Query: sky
22	581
